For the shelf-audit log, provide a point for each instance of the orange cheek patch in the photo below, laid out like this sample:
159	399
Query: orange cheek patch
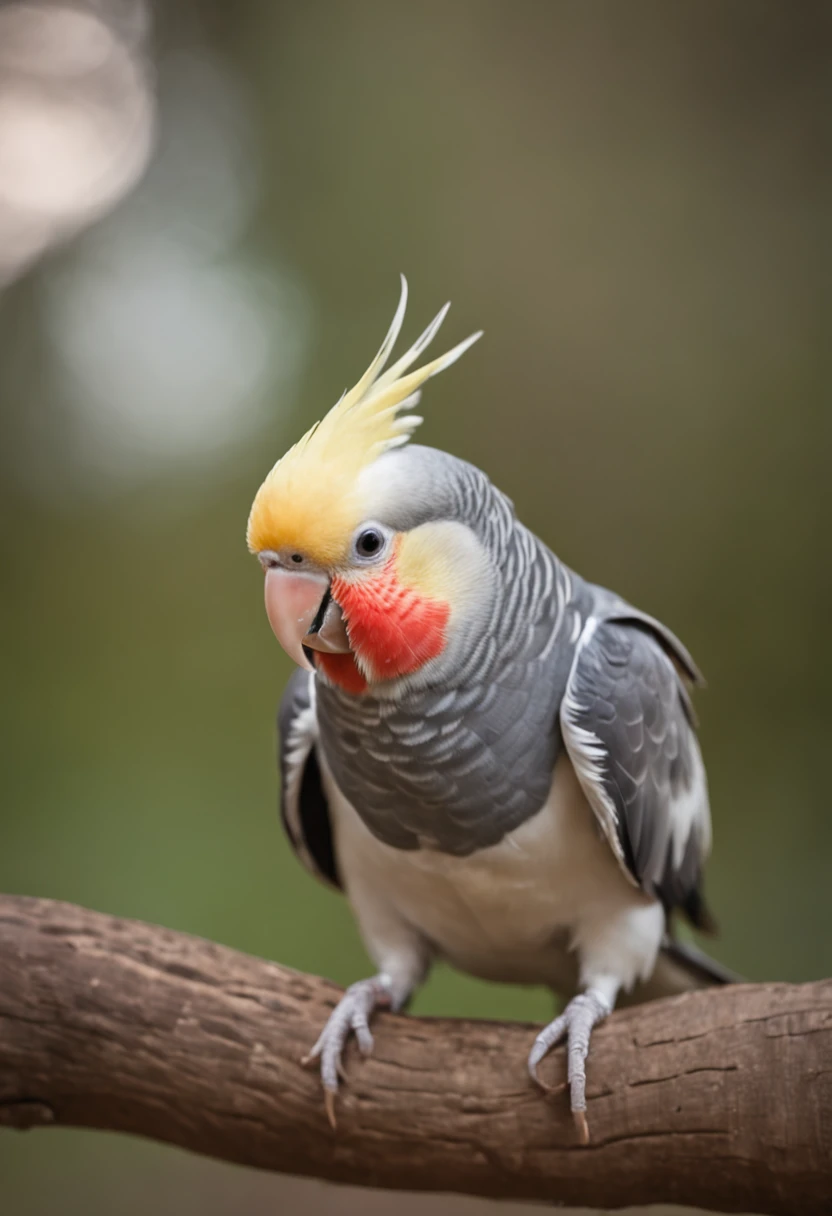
392	628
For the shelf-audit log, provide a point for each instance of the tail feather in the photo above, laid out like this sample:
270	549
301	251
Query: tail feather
699	965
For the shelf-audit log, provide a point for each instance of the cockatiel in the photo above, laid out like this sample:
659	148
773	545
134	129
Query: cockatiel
495	760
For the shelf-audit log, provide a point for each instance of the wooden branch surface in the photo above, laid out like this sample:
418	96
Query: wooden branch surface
720	1099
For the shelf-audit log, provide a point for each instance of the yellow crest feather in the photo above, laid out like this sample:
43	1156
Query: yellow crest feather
309	499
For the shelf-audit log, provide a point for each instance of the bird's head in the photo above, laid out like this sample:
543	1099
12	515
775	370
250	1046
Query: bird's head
369	572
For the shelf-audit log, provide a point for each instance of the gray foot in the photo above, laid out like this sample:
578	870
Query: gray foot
350	1016
575	1023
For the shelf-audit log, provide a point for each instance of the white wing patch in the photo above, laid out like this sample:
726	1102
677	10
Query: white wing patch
589	756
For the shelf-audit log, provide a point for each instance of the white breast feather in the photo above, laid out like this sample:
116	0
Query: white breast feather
510	912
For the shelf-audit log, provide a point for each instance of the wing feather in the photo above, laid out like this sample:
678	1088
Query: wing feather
304	810
628	728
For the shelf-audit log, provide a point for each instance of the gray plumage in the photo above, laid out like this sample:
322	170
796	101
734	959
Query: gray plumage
629	711
459	762
518	788
457	768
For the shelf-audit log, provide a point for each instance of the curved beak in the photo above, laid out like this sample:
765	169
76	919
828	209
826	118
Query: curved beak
292	603
303	615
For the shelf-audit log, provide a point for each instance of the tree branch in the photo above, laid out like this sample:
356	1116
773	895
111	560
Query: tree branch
719	1099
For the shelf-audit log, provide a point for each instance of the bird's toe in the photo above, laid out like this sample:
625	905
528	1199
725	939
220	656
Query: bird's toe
576	1024
350	1016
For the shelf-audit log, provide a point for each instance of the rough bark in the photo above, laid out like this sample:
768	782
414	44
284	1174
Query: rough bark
720	1099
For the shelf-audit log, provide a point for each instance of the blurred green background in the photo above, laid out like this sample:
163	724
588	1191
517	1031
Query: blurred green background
205	211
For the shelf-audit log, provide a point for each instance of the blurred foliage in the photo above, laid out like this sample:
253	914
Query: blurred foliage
631	201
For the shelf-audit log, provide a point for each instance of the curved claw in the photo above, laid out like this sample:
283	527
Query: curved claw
580	1123
548	1038
350	1016
329	1106
546	1088
575	1023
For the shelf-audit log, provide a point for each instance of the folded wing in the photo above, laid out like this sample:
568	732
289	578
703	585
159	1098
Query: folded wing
629	729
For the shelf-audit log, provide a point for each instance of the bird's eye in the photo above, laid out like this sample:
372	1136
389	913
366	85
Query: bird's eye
297	558
369	543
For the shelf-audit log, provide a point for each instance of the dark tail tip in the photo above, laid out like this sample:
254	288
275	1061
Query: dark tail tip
699	914
696	961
